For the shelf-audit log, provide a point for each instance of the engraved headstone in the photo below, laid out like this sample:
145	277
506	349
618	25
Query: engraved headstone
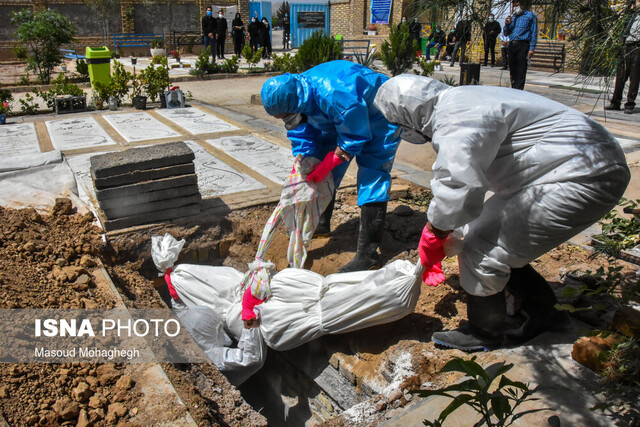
139	126
196	121
77	132
270	160
19	138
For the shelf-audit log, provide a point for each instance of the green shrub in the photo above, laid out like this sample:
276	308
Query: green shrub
120	81
61	86
156	43
156	78
28	104
20	52
317	49
397	53
203	65
250	56
82	68
426	65
286	63
43	33
230	65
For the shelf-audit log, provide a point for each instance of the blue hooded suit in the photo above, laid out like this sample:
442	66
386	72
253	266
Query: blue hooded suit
337	99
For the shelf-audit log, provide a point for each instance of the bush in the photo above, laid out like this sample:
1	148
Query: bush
397	53
120	81
20	52
61	86
230	65
427	67
286	63
28	104
203	65
156	78
317	49
43	33
250	56
82	68
156	43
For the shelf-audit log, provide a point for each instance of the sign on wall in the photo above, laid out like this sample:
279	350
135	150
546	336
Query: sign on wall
311	19
380	11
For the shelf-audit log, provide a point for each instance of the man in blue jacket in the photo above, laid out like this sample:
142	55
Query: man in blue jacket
329	114
522	30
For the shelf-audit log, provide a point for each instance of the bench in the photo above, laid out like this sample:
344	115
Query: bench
355	48
549	55
70	53
135	40
186	38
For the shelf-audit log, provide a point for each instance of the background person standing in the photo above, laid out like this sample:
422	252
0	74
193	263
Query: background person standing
522	30
209	33
462	37
221	23
237	33
504	41
491	31
629	66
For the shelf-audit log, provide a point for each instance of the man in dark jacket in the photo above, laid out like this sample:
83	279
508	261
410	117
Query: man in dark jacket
491	31
451	42
221	23
437	39
254	30
462	37
209	33
415	31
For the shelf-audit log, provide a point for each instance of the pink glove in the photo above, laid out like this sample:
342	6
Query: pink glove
434	276
431	254
248	303
331	160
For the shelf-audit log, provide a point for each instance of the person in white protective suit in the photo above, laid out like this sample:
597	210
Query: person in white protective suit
552	171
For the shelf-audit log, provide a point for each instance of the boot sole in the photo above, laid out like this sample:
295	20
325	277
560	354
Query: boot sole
463	348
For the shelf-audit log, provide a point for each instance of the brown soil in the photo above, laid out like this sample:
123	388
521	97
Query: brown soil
42	257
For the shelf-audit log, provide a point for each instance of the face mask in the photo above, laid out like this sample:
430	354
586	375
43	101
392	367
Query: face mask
208	13
253	19
490	19
413	136
517	10
404	20
219	15
293	120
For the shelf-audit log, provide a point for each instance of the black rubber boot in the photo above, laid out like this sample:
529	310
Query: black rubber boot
536	300
324	225
484	331
369	236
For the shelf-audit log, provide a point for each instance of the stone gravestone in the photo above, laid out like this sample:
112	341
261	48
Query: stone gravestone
146	185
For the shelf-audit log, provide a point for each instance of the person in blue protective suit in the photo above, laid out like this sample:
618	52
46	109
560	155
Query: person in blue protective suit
329	114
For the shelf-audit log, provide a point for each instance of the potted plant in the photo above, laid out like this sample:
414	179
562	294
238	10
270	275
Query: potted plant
371	30
156	80
157	47
177	54
101	93
139	100
5	106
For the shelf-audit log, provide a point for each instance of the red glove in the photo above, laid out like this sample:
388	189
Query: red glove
431	254
248	303
331	160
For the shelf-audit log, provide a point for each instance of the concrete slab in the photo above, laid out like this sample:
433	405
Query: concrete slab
122	211
81	168
77	132
144	175
146	187
19	138
141	158
152	217
216	178
151	196
139	126
196	121
272	161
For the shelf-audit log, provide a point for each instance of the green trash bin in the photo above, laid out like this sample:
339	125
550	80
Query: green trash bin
99	62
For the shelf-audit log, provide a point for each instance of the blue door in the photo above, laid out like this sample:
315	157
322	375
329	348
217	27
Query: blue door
306	19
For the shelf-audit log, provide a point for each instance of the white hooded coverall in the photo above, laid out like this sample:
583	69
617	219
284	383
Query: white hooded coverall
552	171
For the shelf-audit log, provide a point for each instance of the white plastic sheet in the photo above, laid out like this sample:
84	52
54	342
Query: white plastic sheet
301	204
304	305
